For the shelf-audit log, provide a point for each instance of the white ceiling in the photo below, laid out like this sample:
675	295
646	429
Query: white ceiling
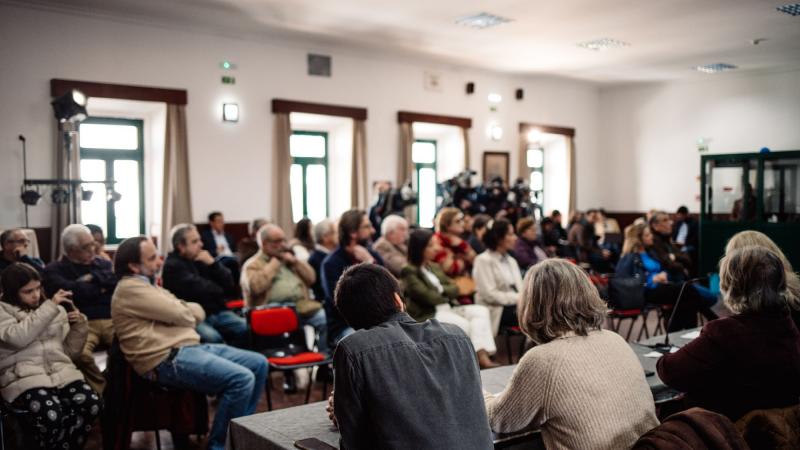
667	37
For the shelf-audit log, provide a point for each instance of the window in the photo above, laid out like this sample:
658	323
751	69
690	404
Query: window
423	155
535	163
112	156
308	177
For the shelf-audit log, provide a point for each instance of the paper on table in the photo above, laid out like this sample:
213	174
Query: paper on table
653	355
691	335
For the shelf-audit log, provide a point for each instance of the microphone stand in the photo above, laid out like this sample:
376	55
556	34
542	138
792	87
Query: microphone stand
666	347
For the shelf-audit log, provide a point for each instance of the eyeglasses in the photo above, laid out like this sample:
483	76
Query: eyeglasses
276	241
19	241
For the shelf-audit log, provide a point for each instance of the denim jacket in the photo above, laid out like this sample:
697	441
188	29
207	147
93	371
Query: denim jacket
408	385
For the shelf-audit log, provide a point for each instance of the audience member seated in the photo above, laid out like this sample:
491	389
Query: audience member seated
400	384
429	294
478	229
91	280
156	333
355	231
555	216
220	244
792	294
675	262
15	246
38	338
248	246
192	274
551	238
275	276
581	385
583	240
303	242
99	241
497	276
392	244
660	287
326	242
528	250
750	360
685	233
455	256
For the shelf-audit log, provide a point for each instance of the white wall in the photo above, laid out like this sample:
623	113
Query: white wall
228	159
649	133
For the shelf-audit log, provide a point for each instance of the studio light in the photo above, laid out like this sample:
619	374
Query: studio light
30	197
70	107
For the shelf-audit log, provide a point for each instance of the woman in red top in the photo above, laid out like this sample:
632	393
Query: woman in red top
750	360
455	256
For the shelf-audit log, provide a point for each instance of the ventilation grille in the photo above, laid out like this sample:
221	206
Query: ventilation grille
715	68
792	9
603	44
481	21
319	65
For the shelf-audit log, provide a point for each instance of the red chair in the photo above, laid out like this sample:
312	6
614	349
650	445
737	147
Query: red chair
628	314
275	331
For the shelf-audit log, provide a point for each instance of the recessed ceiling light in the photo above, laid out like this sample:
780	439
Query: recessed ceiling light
714	68
791	9
603	44
495	98
481	20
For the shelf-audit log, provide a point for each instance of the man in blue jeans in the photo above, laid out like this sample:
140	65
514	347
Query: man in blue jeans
156	332
192	274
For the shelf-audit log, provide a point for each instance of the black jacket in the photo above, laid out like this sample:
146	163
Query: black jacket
408	385
196	282
211	245
93	297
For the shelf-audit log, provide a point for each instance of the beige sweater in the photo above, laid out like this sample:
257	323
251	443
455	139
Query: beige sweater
583	392
149	322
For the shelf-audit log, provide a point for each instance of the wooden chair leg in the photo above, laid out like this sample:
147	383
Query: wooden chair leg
269	395
310	384
630	330
508	347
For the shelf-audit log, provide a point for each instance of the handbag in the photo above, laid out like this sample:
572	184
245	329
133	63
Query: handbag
626	293
465	284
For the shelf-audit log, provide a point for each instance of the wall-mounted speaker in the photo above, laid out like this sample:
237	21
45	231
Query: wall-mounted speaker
470	88
520	94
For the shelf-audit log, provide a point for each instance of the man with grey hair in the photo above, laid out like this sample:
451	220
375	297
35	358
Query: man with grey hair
326	241
275	276
392	245
91	282
14	248
193	275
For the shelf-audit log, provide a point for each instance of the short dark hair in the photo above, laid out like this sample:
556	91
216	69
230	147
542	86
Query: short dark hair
365	295
302	232
683	210
495	233
128	252
14	278
348	224
591	211
94	228
555	213
213	215
546	221
417	241
480	221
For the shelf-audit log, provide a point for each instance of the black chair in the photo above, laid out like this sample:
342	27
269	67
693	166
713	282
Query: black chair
8	411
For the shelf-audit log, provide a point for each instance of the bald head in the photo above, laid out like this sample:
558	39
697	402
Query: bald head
272	239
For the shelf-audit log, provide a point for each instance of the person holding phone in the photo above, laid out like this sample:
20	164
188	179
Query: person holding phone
38	338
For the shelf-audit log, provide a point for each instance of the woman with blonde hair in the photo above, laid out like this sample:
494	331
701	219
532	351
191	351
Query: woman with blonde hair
750	360
750	237
637	262
455	255
582	386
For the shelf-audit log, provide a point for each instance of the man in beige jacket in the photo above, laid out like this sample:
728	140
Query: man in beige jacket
393	244
275	276
156	333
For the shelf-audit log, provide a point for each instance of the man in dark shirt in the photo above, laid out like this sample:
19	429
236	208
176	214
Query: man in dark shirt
400	384
14	246
326	241
91	280
355	231
193	275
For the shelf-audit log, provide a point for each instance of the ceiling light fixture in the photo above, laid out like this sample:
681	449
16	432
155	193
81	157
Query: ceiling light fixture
230	112
715	68
481	20
603	44
495	98
791	9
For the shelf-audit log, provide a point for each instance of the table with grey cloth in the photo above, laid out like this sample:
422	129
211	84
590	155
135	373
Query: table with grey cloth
280	429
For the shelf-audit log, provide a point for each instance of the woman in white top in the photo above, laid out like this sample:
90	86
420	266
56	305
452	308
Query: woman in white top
303	243
498	280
